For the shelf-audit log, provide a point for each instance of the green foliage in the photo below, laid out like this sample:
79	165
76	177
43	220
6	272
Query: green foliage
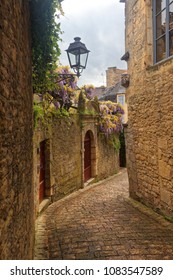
81	103
115	142
45	111
110	122
45	32
60	113
38	113
87	91
95	104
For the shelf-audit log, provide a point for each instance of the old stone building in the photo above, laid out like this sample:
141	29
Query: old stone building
116	94
16	187
70	156
149	42
114	89
113	76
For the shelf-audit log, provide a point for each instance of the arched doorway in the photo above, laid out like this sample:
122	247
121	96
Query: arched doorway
87	157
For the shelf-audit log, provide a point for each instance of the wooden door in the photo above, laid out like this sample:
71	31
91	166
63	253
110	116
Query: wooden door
42	172
87	157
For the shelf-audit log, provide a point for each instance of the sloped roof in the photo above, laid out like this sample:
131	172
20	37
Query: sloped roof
98	91
110	93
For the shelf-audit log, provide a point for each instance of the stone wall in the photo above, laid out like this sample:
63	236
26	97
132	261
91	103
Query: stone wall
149	136
16	193
65	156
108	159
113	76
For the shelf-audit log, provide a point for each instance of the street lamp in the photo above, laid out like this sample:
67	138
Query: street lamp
77	55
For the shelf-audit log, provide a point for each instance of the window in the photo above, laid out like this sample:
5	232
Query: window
121	99
163	29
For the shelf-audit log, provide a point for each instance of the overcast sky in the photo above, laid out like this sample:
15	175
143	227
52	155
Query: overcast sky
100	24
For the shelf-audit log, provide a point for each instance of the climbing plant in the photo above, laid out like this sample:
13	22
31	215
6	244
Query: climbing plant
45	35
110	117
110	122
87	90
65	86
82	98
58	99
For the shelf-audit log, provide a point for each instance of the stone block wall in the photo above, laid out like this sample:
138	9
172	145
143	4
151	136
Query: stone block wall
149	136
108	159
113	76
16	193
139	41
65	156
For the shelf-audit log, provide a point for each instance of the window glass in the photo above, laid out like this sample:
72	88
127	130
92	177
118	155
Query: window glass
160	49
121	99
161	24
163	29
171	16
171	42
160	5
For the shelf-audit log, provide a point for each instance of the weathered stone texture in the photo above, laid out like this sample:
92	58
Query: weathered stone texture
150	114
108	158
65	157
113	76
16	195
66	151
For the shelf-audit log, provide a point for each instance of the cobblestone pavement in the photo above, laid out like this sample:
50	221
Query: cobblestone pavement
101	222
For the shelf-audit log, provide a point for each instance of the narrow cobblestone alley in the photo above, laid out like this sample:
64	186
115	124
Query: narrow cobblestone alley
101	222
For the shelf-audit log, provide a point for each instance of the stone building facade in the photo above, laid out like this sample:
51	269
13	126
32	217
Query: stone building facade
65	158
16	192
113	76
150	111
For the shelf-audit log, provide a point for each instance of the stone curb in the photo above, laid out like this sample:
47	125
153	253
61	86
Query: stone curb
151	213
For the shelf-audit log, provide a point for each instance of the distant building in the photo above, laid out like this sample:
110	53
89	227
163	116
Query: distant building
98	91
113	76
116	94
110	93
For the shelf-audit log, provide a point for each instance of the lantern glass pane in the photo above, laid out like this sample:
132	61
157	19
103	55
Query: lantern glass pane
77	59
83	59
72	59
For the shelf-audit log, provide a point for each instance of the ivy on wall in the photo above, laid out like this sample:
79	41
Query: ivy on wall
45	32
57	101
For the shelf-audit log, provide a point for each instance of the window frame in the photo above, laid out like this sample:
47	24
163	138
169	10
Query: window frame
155	38
124	98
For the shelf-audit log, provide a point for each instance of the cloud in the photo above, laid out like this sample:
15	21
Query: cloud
100	24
